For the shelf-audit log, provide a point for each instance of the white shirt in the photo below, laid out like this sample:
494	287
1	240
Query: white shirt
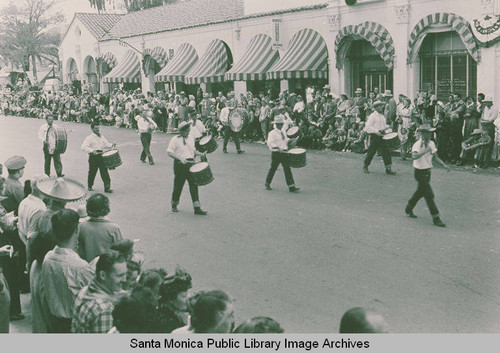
375	122
277	139
224	115
29	210
143	124
93	143
49	138
197	129
425	161
299	107
489	114
180	150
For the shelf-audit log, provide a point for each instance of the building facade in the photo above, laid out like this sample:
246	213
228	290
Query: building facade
439	46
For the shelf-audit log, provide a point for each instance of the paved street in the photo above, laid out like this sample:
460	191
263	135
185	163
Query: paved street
306	258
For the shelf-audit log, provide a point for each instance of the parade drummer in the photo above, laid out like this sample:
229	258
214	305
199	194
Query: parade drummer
146	126
196	129
47	136
423	151
376	126
182	149
95	144
278	143
224	119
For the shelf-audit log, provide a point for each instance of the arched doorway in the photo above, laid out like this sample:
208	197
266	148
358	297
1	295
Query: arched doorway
73	76
90	72
364	57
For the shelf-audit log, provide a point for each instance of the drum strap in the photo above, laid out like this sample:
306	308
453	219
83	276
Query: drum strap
282	135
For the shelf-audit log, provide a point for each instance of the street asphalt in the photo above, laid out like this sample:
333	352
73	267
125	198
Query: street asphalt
304	259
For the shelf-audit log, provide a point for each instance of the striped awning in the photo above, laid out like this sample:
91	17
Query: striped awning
452	21
306	57
108	58
158	54
185	57
127	70
211	67
256	61
374	33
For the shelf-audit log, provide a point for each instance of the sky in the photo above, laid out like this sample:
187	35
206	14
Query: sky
69	7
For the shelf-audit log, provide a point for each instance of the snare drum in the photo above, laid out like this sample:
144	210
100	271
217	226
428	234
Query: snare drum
61	139
201	174
292	132
391	141
208	144
237	118
111	159
297	158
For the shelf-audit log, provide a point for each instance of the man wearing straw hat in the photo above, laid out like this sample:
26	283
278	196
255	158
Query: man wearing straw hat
423	151
94	145
376	127
278	142
224	119
182	149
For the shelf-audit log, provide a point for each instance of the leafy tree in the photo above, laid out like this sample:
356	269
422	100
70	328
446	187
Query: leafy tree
24	39
130	5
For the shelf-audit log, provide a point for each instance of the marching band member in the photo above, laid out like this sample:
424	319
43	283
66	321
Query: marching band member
182	149
224	119
423	151
376	126
47	136
94	145
278	142
146	126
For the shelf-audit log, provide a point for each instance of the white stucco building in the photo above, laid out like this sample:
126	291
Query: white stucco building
402	45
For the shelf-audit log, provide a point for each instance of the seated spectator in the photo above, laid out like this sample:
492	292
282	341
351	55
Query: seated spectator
259	324
134	313
152	279
173	308
95	303
213	313
97	234
360	320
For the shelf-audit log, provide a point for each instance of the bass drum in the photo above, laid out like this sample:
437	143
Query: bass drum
237	118
111	159
201	174
61	138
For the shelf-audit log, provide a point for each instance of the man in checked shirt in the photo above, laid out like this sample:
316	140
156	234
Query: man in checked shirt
93	310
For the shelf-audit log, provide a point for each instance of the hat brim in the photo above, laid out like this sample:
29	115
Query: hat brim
432	129
76	190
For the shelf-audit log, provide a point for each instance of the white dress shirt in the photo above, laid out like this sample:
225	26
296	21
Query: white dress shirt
489	114
49	138
94	143
375	122
277	139
425	161
143	124
224	115
181	148
197	129
30	209
299	107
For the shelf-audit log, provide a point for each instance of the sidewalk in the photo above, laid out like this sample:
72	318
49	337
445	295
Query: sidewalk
23	326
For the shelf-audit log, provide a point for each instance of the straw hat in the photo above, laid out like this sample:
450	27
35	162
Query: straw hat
426	127
378	103
387	93
183	125
62	189
279	119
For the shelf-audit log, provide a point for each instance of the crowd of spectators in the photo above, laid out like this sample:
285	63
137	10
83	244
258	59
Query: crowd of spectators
325	121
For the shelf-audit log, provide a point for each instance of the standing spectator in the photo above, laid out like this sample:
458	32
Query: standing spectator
97	234
64	273
95	303
390	109
47	136
456	125
488	117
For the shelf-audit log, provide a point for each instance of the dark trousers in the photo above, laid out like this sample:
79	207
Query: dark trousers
377	144
423	178
181	174
230	133
485	155
95	162
13	269
162	123
455	142
276	159
60	325
146	143
443	143
57	162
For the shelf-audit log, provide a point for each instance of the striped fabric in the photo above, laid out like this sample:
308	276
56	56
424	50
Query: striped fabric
454	22
108	58
127	70
306	57
374	33
256	61
185	57
211	67
158	54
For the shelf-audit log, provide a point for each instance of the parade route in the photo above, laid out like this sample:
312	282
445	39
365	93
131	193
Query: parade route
304	259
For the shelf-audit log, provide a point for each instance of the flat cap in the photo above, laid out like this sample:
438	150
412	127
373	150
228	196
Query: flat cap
15	163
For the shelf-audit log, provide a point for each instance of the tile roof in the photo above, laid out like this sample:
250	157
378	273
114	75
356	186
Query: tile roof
98	24
187	13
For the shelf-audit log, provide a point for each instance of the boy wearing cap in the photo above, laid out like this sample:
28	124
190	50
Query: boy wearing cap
423	151
182	149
